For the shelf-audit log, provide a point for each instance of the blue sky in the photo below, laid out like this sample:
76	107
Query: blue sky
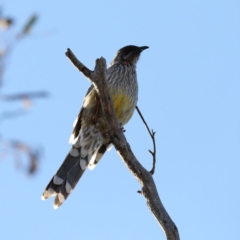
189	83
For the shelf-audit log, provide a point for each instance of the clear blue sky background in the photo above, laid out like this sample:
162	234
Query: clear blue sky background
189	83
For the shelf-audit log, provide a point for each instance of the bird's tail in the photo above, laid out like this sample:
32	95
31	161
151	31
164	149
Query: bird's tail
66	178
84	151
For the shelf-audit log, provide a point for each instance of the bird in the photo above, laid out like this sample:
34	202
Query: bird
89	138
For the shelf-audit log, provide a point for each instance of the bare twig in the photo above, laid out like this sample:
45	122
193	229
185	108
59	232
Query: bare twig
152	134
10	147
16	148
118	139
27	95
81	67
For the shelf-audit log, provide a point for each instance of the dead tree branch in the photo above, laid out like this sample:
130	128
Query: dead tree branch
152	135
149	191
22	96
16	149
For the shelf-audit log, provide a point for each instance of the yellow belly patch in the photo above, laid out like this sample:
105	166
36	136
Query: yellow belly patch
123	105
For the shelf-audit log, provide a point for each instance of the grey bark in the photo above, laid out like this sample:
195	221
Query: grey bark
149	191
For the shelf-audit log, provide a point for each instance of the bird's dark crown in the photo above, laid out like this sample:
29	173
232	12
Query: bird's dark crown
128	55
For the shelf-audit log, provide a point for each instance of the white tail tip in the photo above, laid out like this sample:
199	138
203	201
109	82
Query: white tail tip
43	198
55	206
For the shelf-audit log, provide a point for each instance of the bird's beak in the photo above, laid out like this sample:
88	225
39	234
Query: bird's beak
143	48
139	50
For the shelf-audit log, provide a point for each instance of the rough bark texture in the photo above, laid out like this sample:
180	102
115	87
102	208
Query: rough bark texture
149	191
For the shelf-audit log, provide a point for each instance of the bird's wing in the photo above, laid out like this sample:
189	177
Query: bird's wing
98	153
77	123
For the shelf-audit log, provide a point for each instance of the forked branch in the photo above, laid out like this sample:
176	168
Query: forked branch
149	191
152	135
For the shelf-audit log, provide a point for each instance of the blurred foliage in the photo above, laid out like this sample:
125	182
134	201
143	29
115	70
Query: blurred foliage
29	24
16	148
21	152
5	22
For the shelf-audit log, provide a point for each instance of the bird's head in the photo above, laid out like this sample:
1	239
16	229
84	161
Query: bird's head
128	55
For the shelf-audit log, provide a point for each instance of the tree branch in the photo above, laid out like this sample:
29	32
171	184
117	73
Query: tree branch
15	148
81	67
118	139
27	95
152	135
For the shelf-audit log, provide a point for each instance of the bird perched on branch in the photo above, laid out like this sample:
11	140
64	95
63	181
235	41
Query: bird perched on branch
89	138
